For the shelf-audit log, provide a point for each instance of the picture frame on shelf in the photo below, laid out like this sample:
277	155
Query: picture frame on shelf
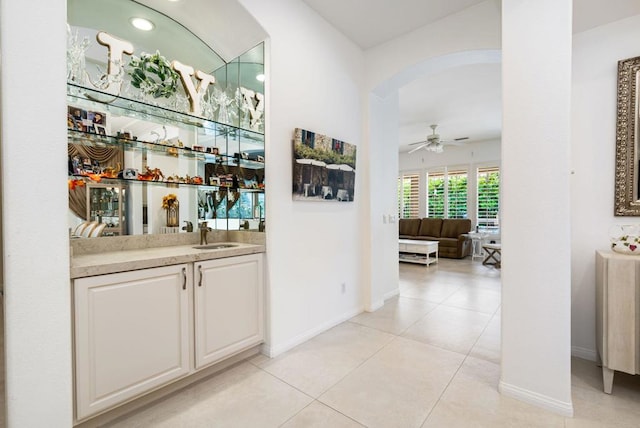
100	129
79	119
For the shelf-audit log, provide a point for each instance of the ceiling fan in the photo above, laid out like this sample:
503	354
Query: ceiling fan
433	142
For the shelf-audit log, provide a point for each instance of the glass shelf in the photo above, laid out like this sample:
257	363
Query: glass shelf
98	140
93	99
170	184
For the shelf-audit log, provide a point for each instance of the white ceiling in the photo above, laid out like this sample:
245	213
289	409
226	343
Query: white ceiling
371	22
464	102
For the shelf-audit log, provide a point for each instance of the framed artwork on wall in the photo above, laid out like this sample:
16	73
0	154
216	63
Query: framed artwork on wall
324	168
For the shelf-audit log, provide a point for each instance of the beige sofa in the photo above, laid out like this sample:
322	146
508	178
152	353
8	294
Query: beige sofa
451	234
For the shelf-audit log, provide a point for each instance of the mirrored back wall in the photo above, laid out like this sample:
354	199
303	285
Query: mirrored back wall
155	147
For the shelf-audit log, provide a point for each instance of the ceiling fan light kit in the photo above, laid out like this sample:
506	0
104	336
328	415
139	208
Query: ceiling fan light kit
433	143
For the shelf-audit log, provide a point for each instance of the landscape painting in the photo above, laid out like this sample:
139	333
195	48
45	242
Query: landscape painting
324	168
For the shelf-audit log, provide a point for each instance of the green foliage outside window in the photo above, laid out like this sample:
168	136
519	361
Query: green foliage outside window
435	197
408	192
457	196
488	197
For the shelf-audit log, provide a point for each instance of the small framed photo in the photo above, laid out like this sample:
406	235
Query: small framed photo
100	129
214	181
76	117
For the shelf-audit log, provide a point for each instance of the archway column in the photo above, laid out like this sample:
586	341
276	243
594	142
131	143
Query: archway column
380	246
35	200
535	221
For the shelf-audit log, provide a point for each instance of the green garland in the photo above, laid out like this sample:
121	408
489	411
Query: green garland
153	74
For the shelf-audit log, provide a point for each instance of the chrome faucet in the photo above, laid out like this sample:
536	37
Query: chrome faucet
203	233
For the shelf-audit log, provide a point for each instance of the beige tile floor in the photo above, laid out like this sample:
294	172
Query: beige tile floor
429	358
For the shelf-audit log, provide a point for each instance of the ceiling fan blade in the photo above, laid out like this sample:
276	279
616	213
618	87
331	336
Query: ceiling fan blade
419	142
415	149
461	139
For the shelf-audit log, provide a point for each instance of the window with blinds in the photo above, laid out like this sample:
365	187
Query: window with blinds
488	198
435	194
457	194
409	196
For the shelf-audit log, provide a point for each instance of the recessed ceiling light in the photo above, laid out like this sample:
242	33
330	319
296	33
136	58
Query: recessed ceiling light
142	24
260	77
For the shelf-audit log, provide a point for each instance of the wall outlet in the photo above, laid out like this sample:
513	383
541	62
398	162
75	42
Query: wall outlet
343	287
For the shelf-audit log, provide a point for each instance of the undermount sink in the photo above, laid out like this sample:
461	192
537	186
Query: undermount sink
214	246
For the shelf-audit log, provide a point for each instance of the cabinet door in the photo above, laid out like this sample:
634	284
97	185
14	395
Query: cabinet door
131	334
622	322
228	307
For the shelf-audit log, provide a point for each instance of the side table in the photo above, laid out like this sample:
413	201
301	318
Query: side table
476	244
493	253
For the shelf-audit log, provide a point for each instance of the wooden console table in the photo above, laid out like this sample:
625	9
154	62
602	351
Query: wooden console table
617	314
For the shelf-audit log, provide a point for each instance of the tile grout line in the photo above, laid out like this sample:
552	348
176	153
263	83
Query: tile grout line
316	399
394	337
459	368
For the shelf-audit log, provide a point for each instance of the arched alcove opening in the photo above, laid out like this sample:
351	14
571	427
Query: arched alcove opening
382	127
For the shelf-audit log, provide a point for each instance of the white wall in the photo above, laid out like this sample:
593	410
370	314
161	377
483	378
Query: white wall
34	202
475	153
381	252
313	82
536	253
395	63
595	57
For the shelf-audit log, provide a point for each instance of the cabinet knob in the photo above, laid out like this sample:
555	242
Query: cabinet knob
184	278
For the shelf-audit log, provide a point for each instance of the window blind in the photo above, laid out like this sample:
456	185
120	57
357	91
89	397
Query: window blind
435	194
488	197
409	196
457	194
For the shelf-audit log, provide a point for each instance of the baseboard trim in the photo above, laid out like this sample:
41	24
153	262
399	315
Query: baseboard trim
274	351
560	407
375	306
392	293
584	353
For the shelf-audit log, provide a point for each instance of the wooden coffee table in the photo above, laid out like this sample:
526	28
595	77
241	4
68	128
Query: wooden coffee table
416	251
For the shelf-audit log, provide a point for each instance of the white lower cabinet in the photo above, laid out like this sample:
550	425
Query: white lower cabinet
131	334
134	332
228	307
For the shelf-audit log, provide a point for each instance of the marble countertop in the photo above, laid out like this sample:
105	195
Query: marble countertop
123	261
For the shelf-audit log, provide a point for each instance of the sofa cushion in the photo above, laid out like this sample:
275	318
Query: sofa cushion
430	227
448	242
454	227
409	226
425	238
